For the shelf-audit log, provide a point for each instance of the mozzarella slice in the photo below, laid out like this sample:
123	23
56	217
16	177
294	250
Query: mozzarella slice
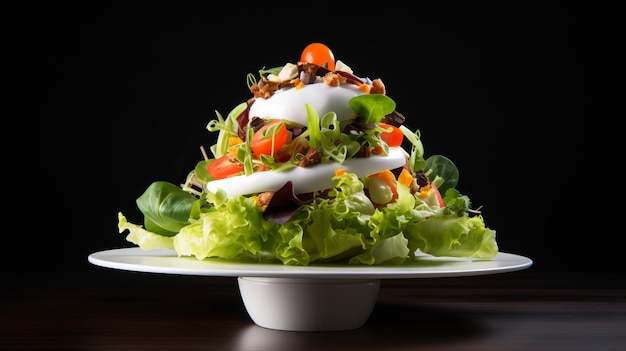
306	180
289	104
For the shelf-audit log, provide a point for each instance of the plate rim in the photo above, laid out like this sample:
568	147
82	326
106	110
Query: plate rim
167	262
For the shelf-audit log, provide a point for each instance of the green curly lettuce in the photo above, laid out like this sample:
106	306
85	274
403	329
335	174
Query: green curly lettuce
344	227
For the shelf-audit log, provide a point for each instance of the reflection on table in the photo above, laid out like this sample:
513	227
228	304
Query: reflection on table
106	309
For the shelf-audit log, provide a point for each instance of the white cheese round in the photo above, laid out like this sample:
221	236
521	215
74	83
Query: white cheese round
306	180
289	104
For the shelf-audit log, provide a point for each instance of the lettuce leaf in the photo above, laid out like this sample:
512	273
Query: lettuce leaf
141	237
167	208
233	229
452	236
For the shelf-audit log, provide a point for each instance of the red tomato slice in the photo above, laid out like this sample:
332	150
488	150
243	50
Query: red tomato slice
393	138
224	167
438	194
267	141
319	54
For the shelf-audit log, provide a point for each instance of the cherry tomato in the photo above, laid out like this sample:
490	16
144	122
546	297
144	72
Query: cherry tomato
267	141
393	138
224	167
318	54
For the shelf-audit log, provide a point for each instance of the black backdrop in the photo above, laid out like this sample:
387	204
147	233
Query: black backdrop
107	98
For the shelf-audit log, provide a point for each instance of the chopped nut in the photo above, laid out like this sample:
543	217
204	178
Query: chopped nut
264	89
377	87
333	79
265	198
312	157
395	118
307	72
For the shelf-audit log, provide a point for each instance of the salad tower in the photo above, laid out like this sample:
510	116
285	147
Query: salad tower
316	167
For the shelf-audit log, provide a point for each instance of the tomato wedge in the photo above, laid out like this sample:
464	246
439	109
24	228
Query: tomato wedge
270	138
393	138
438	194
224	167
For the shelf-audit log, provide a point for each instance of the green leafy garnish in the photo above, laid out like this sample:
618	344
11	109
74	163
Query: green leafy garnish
226	127
167	208
371	108
441	171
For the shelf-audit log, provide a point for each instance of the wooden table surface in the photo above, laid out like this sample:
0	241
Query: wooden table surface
103	309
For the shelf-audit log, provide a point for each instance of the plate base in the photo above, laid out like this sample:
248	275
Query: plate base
305	304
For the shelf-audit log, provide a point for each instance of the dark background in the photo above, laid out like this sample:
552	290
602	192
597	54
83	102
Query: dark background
106	98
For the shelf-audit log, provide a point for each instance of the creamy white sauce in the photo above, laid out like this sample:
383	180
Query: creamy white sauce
309	179
289	104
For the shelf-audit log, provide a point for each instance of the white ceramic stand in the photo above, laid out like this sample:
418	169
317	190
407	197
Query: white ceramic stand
309	304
